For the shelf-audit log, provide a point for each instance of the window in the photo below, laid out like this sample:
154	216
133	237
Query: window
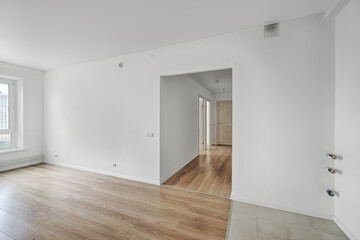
7	114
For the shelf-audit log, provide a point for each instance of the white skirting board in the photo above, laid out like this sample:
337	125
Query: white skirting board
344	229
104	173
20	162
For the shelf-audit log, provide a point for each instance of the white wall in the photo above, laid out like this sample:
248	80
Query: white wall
283	101
97	114
283	118
179	124
347	205
223	96
30	87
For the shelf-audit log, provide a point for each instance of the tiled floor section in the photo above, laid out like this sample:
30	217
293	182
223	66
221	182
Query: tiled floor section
251	222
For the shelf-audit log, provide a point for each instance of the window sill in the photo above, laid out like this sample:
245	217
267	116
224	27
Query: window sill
12	150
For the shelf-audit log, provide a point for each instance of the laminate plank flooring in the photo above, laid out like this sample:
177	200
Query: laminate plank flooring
48	202
210	172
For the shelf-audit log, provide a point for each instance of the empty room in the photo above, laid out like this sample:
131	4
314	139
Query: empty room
196	120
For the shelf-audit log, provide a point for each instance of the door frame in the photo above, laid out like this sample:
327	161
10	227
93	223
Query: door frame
198	119
190	71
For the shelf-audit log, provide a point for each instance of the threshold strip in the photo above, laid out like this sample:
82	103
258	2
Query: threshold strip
196	191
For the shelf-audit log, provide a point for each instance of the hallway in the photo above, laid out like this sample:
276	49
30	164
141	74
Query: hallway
210	172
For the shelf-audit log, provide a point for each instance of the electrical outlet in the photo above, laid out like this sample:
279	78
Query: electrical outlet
150	135
56	155
114	165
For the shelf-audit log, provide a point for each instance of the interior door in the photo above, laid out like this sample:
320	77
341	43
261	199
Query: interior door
224	122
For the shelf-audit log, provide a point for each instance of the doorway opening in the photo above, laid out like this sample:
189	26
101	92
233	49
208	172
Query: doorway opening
204	124
196	131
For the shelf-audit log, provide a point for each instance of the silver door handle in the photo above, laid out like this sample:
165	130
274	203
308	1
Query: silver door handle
330	192
332	156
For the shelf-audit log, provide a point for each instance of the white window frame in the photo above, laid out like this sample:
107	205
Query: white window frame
12	113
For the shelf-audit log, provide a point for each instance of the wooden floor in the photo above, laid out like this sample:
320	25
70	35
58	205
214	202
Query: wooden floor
47	202
210	172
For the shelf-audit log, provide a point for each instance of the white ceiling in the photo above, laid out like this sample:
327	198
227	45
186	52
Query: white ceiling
209	80
47	34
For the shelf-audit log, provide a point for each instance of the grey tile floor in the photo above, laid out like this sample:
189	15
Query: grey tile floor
251	222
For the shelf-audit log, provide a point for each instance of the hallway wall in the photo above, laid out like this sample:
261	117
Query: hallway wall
179	124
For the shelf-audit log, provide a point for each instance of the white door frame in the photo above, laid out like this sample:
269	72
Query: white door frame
173	73
205	121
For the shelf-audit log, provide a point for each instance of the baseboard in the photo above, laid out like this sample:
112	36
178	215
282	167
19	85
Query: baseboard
344	229
312	214
20	162
104	173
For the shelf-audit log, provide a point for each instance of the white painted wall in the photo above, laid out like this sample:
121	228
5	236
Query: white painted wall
179	124
283	100
222	96
30	125
97	114
347	205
